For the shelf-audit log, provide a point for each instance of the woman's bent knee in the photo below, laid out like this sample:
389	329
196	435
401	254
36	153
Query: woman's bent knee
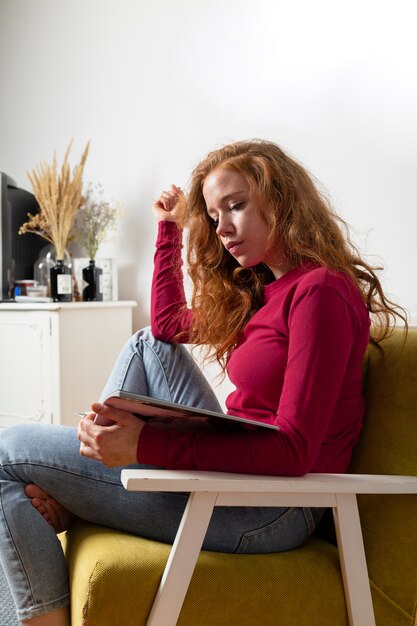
13	438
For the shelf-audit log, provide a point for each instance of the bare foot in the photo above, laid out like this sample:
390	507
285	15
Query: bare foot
54	513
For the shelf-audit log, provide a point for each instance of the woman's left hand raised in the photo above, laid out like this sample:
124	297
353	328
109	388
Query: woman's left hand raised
113	445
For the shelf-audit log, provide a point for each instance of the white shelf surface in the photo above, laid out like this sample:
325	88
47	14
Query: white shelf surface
57	306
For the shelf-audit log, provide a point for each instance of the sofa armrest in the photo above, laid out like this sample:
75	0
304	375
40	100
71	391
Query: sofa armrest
209	489
222	482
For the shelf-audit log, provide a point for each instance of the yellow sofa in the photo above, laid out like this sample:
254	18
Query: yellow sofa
114	576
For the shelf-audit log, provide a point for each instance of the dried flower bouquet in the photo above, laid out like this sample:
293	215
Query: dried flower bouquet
96	217
59	197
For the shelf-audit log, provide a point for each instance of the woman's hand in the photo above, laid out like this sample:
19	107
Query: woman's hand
171	205
113	445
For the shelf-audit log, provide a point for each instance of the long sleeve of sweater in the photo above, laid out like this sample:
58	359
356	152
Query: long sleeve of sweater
169	313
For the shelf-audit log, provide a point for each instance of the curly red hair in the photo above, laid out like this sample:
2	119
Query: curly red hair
226	295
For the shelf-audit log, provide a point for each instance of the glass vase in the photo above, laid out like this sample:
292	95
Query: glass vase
92	288
44	264
61	282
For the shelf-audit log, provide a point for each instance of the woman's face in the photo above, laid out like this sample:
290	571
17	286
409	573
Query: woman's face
238	221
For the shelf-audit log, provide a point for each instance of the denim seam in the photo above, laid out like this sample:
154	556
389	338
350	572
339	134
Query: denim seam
39	610
118	484
311	525
247	537
160	365
23	569
126	369
61	469
281	518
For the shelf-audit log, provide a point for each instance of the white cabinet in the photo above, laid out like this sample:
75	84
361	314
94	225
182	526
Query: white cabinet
55	358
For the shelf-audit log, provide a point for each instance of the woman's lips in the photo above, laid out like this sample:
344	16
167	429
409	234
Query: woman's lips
233	246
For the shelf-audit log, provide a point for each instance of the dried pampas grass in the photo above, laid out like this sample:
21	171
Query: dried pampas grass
59	197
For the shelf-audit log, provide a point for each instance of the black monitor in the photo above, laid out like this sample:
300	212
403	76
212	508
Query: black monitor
18	253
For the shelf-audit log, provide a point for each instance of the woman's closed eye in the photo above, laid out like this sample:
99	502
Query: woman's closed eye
233	207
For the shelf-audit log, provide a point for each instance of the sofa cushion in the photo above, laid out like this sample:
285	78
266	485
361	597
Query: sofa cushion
114	578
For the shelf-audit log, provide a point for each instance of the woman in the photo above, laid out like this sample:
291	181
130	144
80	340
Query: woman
284	302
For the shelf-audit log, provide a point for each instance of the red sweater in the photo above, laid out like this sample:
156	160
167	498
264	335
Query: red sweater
298	364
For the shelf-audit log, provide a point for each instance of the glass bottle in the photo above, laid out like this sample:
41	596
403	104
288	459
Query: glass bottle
92	288
61	282
44	264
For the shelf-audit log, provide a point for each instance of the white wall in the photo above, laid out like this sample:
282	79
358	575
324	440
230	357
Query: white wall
156	84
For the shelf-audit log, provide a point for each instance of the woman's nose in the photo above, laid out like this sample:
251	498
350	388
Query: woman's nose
224	227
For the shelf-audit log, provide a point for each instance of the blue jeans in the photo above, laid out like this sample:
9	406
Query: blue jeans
49	456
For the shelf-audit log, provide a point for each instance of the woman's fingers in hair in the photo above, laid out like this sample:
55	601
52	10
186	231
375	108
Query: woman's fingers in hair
168	199
171	205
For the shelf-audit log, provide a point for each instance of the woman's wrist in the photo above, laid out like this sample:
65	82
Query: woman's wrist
168	218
